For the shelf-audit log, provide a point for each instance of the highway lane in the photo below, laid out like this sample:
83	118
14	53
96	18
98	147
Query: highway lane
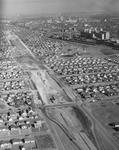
71	138
77	142
46	106
95	133
56	138
101	128
72	96
74	104
60	105
27	49
66	105
32	54
95	122
69	92
53	131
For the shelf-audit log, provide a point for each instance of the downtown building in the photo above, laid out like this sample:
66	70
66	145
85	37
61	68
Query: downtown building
94	34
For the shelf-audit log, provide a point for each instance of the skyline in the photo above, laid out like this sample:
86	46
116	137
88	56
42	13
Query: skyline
14	7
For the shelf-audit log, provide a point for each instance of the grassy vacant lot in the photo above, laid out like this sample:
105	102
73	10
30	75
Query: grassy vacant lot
106	112
109	51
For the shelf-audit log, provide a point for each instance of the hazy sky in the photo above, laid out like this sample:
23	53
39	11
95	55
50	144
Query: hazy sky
57	6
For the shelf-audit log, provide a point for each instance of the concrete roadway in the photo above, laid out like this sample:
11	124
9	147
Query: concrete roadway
73	104
59	105
70	94
98	125
65	132
53	132
40	84
59	144
69	105
27	49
